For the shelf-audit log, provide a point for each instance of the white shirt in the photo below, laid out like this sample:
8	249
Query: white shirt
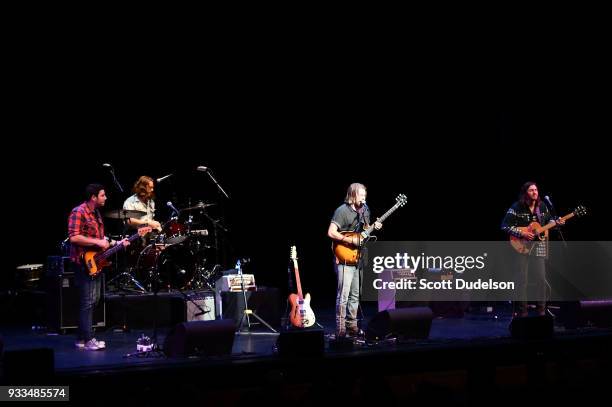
135	204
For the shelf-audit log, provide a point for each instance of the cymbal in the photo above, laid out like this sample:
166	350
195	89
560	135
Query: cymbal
123	214
200	205
29	267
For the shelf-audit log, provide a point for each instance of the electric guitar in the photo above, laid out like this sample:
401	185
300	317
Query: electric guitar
523	246
96	261
348	253
301	315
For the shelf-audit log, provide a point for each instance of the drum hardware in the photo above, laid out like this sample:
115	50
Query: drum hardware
29	275
123	214
124	279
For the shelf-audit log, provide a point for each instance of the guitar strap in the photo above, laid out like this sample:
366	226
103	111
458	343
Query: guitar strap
539	215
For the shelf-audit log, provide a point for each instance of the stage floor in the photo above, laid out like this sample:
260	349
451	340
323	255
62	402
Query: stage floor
256	345
464	361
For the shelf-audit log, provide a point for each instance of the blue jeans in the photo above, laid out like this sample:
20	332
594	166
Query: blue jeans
89	295
347	297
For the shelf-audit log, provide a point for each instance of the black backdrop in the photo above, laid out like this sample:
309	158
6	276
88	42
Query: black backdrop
286	127
460	166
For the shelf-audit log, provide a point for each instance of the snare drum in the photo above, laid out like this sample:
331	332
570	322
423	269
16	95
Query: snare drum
176	232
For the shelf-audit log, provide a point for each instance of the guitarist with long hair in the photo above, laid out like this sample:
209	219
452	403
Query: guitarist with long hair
532	262
352	216
86	232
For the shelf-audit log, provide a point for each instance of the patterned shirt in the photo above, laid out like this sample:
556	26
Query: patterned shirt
519	215
85	222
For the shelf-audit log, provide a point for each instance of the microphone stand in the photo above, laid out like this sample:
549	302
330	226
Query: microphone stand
555	216
551	207
117	184
216	183
216	226
361	225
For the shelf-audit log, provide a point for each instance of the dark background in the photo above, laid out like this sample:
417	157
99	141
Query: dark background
285	185
287	129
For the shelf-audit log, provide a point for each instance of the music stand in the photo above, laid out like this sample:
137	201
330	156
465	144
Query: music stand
247	313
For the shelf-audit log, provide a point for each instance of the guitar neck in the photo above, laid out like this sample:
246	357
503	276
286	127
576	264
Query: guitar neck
552	225
297	279
382	218
116	248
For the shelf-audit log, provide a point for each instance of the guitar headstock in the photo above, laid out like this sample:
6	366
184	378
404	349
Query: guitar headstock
144	230
293	253
580	211
401	200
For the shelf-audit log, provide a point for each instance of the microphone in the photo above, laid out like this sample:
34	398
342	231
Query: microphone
550	205
547	199
164	177
202	168
169	203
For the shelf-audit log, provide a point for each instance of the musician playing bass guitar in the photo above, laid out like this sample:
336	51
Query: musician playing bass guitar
531	262
86	232
352	216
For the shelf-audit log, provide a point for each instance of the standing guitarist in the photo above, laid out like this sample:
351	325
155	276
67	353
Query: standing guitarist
531	265
352	216
86	231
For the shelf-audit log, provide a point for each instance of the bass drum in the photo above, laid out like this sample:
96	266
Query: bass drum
176	266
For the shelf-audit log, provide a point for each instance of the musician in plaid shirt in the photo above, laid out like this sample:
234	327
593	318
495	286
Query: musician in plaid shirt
86	232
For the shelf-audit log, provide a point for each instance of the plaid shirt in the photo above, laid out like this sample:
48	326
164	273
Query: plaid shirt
85	222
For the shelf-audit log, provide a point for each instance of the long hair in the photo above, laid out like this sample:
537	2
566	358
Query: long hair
351	193
524	198
140	188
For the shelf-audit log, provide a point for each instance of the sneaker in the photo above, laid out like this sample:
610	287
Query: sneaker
80	344
101	344
93	344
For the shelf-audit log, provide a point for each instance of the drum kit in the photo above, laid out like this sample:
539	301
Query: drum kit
177	257
29	276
